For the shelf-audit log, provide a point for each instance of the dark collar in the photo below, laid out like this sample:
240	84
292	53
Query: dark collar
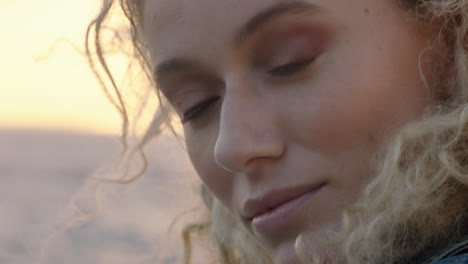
455	249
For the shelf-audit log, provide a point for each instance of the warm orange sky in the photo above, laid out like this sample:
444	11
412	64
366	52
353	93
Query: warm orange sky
59	92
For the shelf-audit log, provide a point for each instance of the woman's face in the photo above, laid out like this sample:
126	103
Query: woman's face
285	104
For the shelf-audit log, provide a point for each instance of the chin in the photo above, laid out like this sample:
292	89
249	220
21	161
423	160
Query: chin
286	254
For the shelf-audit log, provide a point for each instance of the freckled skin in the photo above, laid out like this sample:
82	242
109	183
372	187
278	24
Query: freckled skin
325	125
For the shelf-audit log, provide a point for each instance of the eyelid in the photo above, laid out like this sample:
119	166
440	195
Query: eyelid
291	68
196	110
288	42
187	92
184	100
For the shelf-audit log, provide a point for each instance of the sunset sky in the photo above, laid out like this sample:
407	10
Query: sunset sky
45	84
49	86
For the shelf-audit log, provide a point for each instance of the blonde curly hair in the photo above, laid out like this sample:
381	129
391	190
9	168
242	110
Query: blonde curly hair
415	205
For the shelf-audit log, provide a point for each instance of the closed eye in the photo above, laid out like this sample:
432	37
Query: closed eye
290	68
198	109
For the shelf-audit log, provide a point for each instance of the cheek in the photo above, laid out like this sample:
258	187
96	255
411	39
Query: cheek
358	98
200	146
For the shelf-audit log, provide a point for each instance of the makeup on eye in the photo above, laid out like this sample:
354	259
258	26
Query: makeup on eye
191	94
291	68
198	109
281	71
288	51
283	52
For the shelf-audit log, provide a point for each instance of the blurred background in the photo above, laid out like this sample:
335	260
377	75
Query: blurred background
56	130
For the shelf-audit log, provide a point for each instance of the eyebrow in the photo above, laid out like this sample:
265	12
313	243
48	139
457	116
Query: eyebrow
173	65
253	25
272	12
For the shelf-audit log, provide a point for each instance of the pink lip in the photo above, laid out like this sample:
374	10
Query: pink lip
277	207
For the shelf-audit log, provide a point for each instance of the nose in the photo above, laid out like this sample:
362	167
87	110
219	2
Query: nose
249	134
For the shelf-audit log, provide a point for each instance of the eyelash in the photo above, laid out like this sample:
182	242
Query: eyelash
280	71
291	68
198	109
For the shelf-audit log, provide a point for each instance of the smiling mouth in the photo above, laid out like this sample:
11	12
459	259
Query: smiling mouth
277	208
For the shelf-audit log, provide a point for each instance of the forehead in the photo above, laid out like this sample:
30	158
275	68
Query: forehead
205	26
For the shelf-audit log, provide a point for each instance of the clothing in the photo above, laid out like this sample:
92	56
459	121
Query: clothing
454	254
461	259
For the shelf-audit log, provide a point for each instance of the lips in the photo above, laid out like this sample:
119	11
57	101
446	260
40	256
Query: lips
274	199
